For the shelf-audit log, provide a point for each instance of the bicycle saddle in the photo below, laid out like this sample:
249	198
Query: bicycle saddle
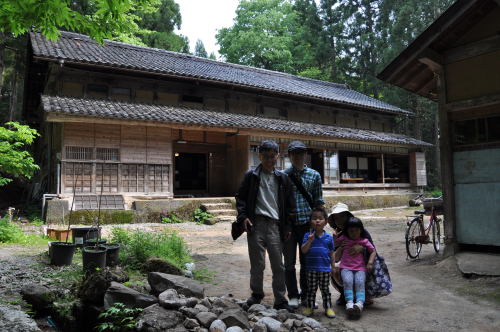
419	211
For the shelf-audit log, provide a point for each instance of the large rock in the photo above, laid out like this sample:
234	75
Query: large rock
169	299
189	312
131	298
259	327
272	324
157	319
40	297
13	319
94	287
206	318
118	274
235	317
224	303
154	264
190	323
311	322
160	282
217	326
234	329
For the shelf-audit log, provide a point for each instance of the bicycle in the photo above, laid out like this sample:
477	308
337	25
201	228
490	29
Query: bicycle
416	232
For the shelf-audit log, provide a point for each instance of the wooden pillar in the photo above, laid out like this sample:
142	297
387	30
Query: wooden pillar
446	166
383	167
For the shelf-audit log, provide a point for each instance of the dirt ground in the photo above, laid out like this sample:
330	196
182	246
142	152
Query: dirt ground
428	295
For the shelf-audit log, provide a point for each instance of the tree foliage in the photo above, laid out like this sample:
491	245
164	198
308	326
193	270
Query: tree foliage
15	161
199	49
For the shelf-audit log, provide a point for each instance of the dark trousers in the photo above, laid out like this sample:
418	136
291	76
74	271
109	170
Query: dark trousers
290	255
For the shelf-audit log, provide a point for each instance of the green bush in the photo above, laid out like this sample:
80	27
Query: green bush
118	318
200	216
139	246
107	217
10	232
171	218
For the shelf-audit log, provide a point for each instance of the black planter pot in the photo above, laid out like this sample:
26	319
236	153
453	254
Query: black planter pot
82	234
93	258
61	253
92	242
112	252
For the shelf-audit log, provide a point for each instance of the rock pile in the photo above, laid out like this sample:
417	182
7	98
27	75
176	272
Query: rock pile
178	304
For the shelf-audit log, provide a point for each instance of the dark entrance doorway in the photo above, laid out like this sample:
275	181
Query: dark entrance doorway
190	174
317	163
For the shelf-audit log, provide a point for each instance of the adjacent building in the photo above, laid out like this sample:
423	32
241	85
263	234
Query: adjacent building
456	62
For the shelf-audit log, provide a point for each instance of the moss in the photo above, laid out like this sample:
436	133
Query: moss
185	212
107	217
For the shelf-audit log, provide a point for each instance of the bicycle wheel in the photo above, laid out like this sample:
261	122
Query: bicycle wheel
436	234
413	247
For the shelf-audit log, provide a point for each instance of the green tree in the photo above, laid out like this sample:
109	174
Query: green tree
157	27
261	36
15	161
199	49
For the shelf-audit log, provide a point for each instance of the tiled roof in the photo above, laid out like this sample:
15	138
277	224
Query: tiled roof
202	117
81	49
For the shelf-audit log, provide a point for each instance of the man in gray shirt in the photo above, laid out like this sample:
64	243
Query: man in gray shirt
266	207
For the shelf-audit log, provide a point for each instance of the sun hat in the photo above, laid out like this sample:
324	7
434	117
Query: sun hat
339	208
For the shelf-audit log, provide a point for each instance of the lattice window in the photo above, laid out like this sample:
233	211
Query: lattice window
157	178
79	153
91	202
106	176
107	154
79	176
133	177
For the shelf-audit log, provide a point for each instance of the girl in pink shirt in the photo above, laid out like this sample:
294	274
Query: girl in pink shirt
353	268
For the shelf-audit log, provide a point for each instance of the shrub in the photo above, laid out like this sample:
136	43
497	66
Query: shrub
10	232
171	218
118	318
139	246
200	216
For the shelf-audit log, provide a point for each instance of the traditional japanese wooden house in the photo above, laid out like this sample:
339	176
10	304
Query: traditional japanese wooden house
138	121
456	62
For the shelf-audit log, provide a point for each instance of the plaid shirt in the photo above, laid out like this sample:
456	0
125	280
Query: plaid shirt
311	180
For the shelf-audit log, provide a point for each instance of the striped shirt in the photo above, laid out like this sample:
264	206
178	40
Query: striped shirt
311	180
318	258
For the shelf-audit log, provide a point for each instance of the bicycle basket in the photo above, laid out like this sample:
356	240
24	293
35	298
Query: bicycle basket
433	203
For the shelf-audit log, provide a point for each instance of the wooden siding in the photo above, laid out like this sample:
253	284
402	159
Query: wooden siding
78	134
418	173
193	135
107	136
159	145
133	144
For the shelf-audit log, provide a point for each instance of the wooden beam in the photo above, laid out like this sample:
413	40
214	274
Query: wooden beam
474	49
426	87
474	103
431	59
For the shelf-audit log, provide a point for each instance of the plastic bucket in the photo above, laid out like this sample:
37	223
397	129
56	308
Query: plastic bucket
61	253
82	234
112	252
93	258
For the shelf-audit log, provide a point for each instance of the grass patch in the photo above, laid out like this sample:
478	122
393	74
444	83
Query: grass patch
10	232
139	246
204	275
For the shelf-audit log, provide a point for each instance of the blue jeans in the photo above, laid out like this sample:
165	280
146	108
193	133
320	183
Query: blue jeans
354	281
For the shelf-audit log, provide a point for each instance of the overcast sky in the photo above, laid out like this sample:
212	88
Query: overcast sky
202	18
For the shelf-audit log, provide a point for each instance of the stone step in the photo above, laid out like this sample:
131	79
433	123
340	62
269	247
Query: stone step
222	212
226	218
216	206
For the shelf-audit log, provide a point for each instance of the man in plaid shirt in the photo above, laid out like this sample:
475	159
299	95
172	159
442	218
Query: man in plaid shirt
311	181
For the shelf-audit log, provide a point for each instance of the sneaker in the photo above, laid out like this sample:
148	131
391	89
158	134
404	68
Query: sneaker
349	308
307	312
293	302
358	306
252	300
330	313
283	305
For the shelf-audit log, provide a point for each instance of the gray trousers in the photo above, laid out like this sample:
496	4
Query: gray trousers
265	235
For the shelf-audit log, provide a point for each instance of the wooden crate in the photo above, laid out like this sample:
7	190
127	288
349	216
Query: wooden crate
62	235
